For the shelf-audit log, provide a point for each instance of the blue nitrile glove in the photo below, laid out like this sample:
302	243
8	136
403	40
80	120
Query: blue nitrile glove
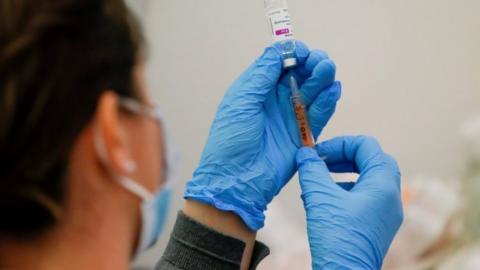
350	226
250	152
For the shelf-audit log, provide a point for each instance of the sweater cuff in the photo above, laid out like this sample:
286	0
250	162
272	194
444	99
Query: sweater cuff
195	246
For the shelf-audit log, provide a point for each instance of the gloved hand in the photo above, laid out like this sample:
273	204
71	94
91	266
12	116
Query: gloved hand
250	152
350	226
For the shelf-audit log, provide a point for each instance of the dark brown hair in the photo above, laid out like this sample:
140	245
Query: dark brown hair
56	58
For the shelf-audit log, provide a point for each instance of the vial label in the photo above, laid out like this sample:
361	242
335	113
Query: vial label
281	24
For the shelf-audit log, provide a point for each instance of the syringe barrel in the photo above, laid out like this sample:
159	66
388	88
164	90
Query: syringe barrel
282	30
306	136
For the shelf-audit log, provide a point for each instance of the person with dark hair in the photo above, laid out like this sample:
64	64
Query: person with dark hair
85	164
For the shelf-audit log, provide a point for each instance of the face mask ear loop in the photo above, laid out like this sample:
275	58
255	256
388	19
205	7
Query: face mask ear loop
126	182
135	188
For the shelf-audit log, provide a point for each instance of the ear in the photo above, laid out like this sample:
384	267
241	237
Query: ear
110	130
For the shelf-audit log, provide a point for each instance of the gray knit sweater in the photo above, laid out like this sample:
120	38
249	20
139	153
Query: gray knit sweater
194	246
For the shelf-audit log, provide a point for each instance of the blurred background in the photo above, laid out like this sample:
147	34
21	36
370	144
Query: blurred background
411	77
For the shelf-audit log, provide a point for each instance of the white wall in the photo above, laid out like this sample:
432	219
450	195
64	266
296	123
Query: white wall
410	71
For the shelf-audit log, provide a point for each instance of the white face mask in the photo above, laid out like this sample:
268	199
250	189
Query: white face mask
154	207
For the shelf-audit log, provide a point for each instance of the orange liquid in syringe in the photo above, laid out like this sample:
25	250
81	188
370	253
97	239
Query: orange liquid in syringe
306	136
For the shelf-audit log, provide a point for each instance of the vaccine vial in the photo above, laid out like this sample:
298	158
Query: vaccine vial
282	32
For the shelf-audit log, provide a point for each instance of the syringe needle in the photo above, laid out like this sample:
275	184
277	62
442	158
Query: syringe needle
294	86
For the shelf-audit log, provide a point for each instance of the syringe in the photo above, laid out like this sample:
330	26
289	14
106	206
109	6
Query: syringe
306	136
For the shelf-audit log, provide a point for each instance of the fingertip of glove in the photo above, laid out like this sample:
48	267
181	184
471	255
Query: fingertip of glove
306	154
325	69
338	84
330	62
271	53
302	51
315	57
336	89
319	55
321	150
